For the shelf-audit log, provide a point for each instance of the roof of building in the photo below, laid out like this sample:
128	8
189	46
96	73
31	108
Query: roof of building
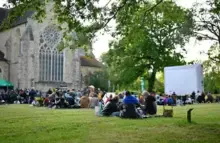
3	14
21	20
90	62
2	55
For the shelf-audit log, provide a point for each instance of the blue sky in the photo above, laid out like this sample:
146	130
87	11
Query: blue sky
194	47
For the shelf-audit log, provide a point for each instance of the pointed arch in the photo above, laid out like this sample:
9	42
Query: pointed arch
50	59
28	34
18	32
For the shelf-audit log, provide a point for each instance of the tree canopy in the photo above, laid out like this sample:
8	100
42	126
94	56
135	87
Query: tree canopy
148	42
82	16
150	34
207	23
211	76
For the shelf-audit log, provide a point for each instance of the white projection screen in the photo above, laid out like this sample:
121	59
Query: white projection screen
183	80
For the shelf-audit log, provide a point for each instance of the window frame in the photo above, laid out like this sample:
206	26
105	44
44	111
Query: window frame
51	61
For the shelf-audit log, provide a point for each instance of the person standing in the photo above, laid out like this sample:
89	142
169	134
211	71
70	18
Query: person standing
198	94
193	95
174	98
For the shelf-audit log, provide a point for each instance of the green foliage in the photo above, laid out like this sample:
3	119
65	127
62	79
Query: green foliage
99	80
211	82
208	28
82	16
214	53
207	23
159	83
148	44
211	76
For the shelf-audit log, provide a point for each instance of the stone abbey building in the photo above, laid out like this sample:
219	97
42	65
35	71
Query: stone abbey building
29	56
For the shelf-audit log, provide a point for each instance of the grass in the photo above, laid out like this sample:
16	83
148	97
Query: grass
24	124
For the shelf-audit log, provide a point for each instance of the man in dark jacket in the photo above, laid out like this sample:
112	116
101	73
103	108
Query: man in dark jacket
128	107
111	107
193	95
150	105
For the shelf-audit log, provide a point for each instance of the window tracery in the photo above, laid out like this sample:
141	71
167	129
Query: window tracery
51	60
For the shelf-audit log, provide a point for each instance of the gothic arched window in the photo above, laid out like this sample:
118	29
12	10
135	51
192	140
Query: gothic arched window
51	60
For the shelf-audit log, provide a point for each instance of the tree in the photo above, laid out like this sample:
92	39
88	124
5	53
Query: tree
159	84
211	76
214	53
211	70
112	76
148	42
82	16
99	80
207	23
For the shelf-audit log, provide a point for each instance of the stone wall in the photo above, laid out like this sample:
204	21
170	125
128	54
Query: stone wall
6	38
10	46
68	66
44	86
4	68
76	70
22	52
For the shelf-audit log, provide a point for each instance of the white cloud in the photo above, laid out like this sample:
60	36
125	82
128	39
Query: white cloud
2	2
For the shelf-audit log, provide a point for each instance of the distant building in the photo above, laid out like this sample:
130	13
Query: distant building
29	56
88	67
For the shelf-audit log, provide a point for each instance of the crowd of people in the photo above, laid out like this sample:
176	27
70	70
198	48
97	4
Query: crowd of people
125	105
19	95
187	99
128	105
132	106
51	98
202	97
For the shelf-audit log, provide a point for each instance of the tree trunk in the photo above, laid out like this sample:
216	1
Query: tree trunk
151	81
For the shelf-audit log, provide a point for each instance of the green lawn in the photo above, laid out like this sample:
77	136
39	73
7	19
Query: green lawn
24	124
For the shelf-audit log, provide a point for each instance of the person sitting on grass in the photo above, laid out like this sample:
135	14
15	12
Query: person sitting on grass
209	98
51	100
203	97
128	108
150	105
111	107
94	101
170	101
165	100
84	102
46	101
108	99
141	99
121	96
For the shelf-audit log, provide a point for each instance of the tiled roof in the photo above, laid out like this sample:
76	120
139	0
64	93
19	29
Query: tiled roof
90	62
21	20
